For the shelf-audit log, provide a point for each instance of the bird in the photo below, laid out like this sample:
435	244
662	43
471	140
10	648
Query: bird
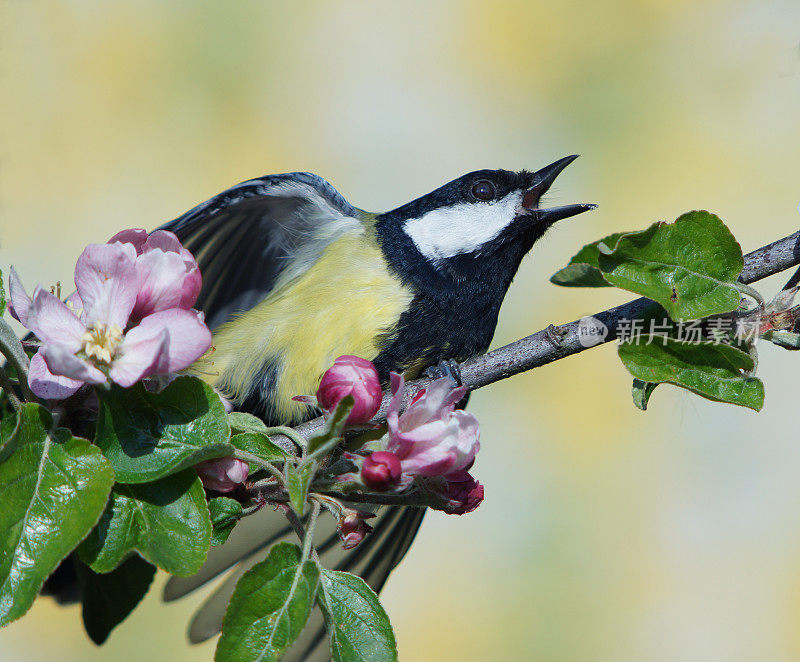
295	276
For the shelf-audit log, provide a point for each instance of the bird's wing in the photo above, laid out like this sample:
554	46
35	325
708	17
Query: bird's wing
249	240
258	234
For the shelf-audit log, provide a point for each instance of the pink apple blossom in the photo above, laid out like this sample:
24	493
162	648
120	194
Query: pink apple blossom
167	274
87	339
431	437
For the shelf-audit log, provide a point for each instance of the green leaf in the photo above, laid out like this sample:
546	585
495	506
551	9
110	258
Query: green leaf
269	607
147	436
358	628
583	270
225	513
325	440
53	488
715	371
166	521
298	480
243	422
641	392
108	599
690	266
258	444
7	426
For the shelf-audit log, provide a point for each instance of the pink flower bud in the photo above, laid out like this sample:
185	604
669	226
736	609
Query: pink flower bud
167	273
351	375
465	493
352	527
224	474
381	470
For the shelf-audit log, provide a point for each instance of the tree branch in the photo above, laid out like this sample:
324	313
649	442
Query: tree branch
554	343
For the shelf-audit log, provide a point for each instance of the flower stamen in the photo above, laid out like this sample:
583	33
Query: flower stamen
100	342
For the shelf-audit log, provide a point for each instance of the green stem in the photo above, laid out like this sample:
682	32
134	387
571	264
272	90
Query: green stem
751	292
308	540
14	359
249	457
8	389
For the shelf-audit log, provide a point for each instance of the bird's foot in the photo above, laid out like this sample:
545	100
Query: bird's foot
555	334
446	368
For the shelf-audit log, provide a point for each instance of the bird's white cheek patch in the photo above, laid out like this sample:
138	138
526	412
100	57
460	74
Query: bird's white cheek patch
462	228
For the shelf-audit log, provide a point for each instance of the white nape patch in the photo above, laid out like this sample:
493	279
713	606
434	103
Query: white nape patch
462	228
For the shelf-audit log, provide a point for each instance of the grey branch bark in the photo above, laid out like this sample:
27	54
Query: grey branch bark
557	342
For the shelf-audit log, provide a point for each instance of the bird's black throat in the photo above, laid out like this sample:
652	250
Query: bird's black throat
454	312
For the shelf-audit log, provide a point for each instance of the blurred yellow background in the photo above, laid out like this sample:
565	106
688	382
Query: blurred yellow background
607	534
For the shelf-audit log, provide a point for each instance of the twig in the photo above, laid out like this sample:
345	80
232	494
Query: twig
554	343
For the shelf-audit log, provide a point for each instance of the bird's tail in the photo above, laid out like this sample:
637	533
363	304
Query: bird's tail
373	560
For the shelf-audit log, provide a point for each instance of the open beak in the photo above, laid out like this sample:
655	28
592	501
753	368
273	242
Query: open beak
543	179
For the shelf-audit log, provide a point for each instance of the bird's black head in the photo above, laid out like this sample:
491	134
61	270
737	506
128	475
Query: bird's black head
478	226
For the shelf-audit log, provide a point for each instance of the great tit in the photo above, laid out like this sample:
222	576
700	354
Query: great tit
295	276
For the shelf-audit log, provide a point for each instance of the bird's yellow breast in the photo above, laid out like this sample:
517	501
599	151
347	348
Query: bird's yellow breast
348	302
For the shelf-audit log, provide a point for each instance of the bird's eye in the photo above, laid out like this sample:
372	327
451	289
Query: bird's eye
483	190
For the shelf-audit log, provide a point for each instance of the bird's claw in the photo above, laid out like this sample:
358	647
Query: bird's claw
555	335
445	368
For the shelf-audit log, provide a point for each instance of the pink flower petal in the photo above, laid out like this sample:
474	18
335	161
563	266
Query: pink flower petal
46	385
164	283
136	236
188	338
52	322
224	474
138	356
106	278
165	240
438	402
19	302
61	360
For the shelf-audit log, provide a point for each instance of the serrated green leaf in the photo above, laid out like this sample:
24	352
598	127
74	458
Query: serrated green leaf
690	266
269	607
225	513
147	436
53	487
358	627
715	371
108	599
298	480
641	392
583	270
166	521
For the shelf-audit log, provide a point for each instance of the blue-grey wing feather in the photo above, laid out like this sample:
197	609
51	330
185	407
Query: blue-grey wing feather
251	236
